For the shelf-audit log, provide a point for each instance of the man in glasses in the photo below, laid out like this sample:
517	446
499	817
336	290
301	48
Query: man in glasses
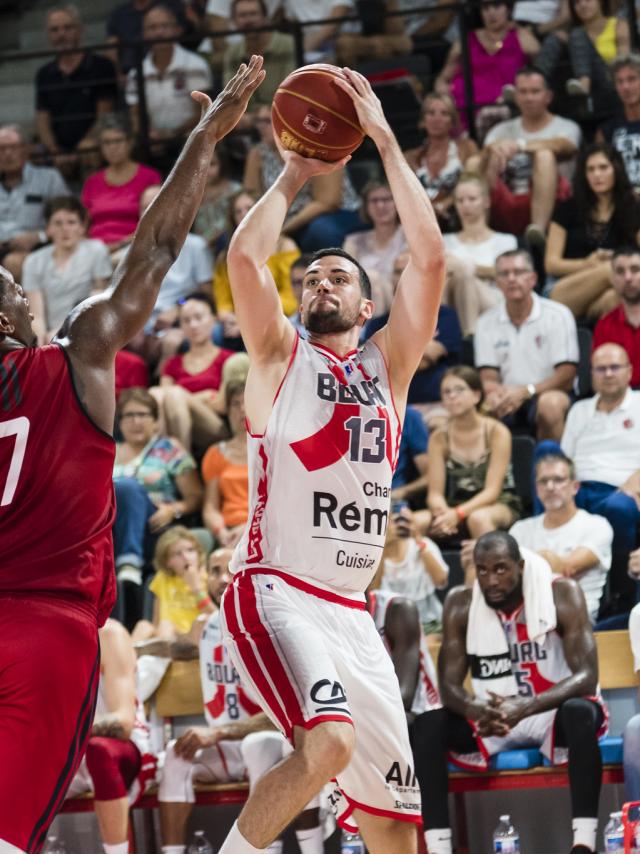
577	544
601	437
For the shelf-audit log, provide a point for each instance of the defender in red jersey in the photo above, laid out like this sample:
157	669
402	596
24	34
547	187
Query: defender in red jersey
57	407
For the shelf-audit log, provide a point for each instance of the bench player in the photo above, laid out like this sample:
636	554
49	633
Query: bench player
325	421
56	495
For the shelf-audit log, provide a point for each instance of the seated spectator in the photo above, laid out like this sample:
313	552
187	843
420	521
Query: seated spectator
410	477
238	742
131	372
621	325
585	229
470	286
24	190
179	586
600	437
219	19
319	39
596	38
623	130
440	160
631	741
211	218
442	351
190	380
279	264
170	73
72	91
549	699
125	24
277	49
381	34
112	195
413	567
542	16
118	762
525	160
225	472
156	482
323	212
377	248
497	49
65	272
526	350
575	543
470	477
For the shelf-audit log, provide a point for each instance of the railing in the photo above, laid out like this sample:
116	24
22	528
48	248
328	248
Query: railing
463	9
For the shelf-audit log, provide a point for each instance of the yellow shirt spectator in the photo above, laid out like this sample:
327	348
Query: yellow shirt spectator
176	602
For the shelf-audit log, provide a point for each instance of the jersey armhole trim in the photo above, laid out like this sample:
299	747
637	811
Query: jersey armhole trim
78	398
285	375
386	367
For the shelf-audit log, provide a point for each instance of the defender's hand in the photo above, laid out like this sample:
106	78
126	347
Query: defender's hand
368	107
221	116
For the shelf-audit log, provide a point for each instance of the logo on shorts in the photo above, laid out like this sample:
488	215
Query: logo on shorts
401	777
330	696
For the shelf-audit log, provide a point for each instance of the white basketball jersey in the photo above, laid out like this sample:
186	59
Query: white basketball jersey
320	475
225	700
426	696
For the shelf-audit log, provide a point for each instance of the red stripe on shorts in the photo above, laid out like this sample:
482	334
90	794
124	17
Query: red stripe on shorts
250	660
397	816
268	652
298	583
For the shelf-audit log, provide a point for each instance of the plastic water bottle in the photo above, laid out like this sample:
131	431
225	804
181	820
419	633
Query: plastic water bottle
352	843
505	837
200	844
55	846
614	834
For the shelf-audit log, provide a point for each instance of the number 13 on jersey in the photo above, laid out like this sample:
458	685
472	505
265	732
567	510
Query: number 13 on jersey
16	430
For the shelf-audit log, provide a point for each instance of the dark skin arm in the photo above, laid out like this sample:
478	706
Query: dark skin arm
580	652
453	665
402	631
99	327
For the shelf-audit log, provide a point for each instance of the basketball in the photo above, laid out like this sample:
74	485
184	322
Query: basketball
313	116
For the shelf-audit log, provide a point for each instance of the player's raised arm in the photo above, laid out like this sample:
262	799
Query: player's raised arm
103	325
414	312
267	334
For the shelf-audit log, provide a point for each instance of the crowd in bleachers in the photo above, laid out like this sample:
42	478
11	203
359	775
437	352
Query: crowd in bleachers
535	186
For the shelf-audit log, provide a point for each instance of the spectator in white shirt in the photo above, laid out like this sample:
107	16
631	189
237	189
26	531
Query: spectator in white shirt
471	254
526	350
577	544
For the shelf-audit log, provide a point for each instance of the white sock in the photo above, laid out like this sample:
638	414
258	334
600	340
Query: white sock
310	841
235	843
584	832
174	849
438	840
120	848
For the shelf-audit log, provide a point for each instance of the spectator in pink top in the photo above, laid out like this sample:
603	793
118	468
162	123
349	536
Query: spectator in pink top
190	381
112	195
497	50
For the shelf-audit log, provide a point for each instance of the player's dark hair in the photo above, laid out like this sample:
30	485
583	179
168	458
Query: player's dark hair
140	395
557	457
365	284
469	376
198	296
65	203
498	540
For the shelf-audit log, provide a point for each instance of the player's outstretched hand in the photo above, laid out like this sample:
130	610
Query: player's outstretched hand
368	107
221	116
307	167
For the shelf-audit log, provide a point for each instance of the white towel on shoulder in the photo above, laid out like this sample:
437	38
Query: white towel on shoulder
487	645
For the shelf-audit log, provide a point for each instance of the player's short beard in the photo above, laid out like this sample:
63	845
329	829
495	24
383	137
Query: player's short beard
330	322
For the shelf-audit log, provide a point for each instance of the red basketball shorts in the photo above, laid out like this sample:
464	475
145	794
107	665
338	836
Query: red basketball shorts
49	671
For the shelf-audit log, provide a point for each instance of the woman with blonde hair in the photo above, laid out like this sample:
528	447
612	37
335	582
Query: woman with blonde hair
442	157
179	586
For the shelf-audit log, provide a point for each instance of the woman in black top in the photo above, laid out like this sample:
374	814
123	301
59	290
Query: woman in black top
602	215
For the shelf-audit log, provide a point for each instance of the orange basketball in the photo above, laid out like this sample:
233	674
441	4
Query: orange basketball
313	116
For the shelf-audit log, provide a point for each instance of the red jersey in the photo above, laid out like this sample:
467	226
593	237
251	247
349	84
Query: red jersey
210	378
56	490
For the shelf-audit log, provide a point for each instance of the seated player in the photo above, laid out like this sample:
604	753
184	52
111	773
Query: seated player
238	742
118	762
527	639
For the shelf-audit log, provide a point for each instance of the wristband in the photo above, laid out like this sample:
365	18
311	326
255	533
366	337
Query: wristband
460	514
203	600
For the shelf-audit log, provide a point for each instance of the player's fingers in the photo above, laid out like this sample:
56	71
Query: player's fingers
358	81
